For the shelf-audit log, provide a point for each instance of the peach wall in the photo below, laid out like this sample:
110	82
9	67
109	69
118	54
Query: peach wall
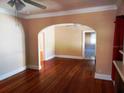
101	22
26	30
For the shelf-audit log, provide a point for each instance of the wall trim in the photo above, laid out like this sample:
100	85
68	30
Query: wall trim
11	73
75	11
64	56
103	76
69	56
60	13
35	67
50	57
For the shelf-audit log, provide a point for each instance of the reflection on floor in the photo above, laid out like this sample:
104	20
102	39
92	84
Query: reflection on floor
58	76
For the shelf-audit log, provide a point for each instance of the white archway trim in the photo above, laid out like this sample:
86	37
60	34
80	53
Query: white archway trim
43	40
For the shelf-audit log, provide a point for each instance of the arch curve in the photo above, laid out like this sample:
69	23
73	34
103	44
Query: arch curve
81	27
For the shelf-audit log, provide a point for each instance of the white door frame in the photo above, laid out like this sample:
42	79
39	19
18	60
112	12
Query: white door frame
43	44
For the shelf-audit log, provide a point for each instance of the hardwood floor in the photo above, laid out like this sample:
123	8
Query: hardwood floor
58	76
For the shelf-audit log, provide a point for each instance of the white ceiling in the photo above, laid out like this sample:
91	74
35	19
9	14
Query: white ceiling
58	5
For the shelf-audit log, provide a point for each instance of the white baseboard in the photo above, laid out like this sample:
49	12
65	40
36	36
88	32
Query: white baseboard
48	58
34	67
103	76
68	56
11	73
64	56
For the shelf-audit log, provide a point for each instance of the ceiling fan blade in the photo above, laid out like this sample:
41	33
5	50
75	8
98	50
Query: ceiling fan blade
35	4
11	3
19	5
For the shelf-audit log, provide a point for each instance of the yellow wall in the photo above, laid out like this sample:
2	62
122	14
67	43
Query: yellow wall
68	41
101	22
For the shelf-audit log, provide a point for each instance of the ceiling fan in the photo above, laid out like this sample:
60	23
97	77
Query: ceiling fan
20	4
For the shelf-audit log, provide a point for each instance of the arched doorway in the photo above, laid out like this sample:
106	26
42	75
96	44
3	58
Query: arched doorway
62	40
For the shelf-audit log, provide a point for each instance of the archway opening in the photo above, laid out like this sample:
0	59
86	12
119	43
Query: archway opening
63	40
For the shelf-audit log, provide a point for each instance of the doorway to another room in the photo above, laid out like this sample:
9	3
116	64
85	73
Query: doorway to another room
89	43
65	41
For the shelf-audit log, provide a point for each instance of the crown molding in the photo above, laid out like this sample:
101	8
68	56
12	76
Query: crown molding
61	13
71	12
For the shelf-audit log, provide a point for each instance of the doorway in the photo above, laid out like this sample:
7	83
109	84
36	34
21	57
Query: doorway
65	41
89	45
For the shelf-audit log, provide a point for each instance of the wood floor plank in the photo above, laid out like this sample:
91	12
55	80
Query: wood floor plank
58	76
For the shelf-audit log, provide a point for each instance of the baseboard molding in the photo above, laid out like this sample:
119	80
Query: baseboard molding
34	67
11	73
48	58
64	56
68	56
103	76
